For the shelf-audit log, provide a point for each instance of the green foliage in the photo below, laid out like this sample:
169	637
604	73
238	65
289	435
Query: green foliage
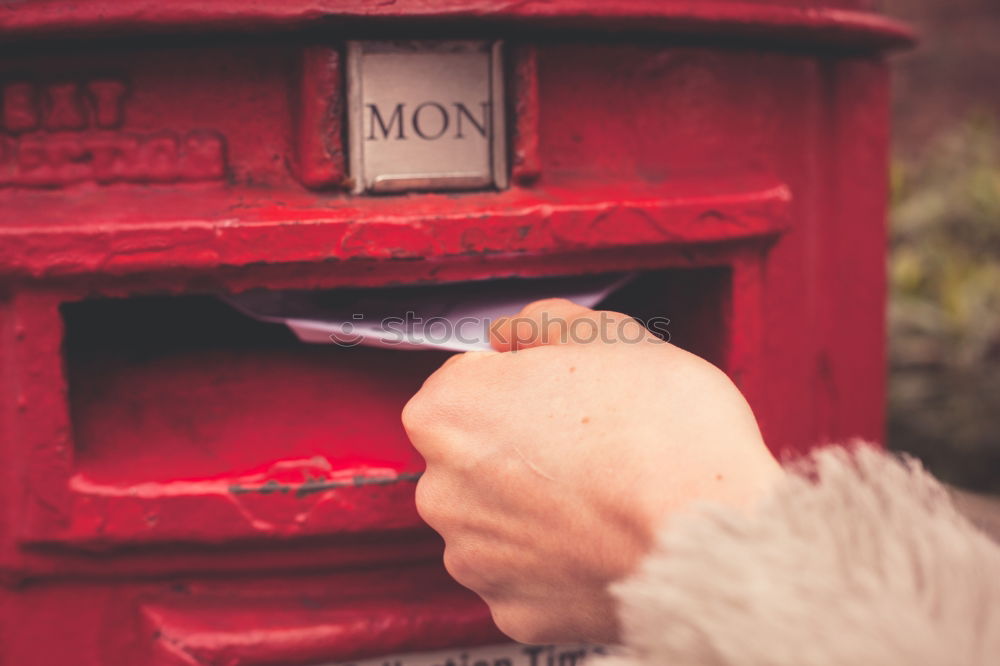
945	307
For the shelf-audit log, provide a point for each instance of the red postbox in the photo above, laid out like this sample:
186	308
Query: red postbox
182	484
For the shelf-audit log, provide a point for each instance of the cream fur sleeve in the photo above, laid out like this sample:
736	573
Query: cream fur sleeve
867	564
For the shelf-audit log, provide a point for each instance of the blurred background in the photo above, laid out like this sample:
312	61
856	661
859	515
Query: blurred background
944	315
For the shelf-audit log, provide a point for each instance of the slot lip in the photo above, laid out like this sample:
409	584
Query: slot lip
580	216
386	501
351	616
118	509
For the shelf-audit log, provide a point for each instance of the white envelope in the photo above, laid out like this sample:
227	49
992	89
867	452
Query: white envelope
448	316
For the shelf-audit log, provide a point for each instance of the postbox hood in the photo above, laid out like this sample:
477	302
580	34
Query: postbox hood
845	23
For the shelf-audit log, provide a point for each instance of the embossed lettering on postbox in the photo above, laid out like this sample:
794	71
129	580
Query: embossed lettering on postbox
493	655
56	134
426	116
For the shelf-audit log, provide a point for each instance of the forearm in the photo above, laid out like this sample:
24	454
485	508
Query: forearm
868	563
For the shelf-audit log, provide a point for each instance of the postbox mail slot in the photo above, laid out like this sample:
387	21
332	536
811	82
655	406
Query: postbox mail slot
182	407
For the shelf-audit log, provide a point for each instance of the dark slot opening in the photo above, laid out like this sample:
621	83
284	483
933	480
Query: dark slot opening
186	387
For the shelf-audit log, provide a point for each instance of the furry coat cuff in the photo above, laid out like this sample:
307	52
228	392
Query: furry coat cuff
856	558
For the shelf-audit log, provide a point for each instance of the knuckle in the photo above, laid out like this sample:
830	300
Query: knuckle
459	566
438	395
422	414
516	622
452	361
428	506
413	415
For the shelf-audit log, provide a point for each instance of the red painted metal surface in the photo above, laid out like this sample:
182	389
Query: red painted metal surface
847	22
180	485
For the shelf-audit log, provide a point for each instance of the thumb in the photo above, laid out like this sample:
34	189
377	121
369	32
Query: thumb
553	321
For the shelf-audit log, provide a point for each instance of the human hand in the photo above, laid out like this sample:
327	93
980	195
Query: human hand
550	469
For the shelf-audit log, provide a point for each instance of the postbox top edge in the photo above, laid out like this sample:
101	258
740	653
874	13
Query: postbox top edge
822	22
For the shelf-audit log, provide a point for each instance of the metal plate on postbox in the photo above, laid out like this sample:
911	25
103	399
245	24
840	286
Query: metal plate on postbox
426	115
511	654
